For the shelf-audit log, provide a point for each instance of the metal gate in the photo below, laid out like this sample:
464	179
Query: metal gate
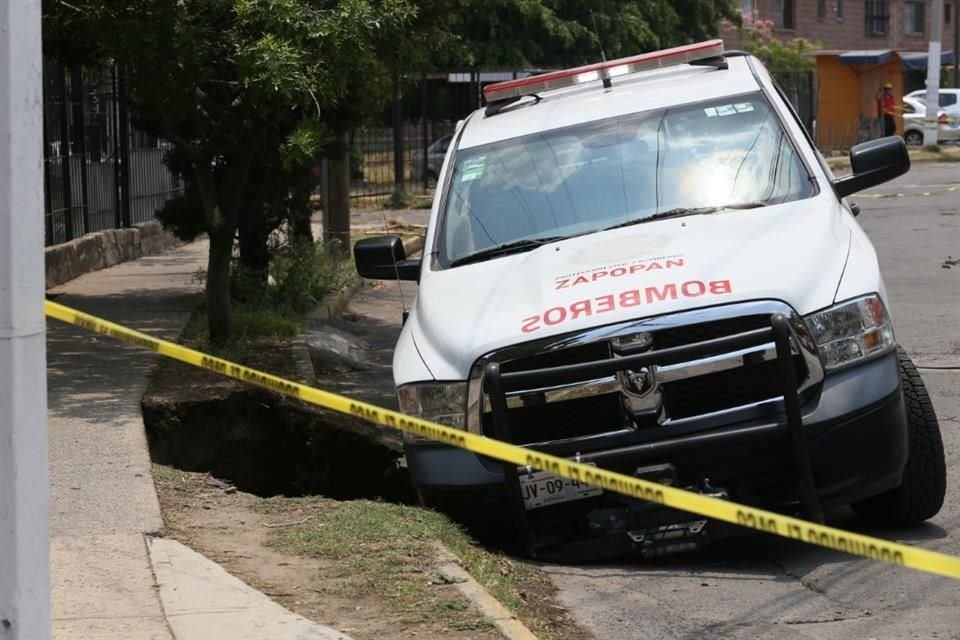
99	172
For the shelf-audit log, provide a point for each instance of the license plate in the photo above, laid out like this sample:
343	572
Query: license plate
541	489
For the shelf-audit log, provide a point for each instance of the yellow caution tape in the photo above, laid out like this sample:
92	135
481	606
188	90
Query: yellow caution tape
760	519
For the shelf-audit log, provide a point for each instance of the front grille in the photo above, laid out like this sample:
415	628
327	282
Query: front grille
560	420
568	419
606	412
699	332
725	389
749	384
558	358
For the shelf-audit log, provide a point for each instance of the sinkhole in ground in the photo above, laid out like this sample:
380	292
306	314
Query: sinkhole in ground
268	446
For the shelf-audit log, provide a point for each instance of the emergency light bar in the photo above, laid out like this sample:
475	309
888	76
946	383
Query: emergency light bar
513	89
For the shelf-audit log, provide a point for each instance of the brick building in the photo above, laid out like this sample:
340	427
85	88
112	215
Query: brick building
861	44
900	25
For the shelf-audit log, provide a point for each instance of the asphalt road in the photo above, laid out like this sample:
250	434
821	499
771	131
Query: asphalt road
765	587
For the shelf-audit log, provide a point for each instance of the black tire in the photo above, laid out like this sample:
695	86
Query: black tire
913	138
920	494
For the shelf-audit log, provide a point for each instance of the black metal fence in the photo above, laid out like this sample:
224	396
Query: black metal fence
99	172
403	148
800	89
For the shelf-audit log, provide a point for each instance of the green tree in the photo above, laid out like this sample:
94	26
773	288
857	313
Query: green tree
553	33
757	37
226	81
251	91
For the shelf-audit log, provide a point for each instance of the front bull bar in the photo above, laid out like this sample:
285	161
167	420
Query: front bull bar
498	384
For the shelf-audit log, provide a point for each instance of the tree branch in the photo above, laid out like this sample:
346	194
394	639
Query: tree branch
182	144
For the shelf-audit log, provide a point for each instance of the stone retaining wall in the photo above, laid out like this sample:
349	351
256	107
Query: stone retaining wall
104	249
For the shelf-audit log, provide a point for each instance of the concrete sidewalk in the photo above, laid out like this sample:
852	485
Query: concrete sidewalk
111	576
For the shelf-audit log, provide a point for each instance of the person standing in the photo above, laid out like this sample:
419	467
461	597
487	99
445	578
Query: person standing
887	110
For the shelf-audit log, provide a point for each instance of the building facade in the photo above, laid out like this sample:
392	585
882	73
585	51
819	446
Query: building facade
901	25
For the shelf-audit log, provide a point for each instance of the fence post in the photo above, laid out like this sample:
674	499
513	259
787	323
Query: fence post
47	195
123	139
65	154
115	154
423	131
397	137
79	118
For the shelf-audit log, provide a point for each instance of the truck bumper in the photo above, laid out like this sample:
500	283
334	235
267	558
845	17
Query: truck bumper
855	431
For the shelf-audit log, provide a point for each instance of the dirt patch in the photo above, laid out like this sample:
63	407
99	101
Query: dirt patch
365	568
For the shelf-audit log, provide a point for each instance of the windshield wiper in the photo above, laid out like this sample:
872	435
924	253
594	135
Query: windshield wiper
504	249
687	211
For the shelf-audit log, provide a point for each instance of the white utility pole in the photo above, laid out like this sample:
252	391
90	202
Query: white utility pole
933	74
24	525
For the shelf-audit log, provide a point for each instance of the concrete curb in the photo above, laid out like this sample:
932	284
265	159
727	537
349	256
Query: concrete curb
202	600
505	622
331	306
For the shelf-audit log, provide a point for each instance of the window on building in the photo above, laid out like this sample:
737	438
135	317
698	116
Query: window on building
914	15
877	13
839	9
821	9
747	6
947	10
783	14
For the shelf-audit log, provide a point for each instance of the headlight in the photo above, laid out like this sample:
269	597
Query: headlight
851	331
443	402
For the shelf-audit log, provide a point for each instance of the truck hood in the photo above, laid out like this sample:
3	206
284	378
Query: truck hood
793	252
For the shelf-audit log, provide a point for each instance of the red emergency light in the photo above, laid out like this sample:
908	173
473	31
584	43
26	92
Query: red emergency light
603	70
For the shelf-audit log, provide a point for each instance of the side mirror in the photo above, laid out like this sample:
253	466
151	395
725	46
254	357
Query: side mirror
384	258
874	163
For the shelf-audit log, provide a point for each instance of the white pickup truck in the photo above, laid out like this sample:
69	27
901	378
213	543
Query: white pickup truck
646	265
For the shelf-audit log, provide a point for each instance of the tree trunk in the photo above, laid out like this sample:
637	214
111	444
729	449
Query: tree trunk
254	255
299	214
337	237
222	197
218	284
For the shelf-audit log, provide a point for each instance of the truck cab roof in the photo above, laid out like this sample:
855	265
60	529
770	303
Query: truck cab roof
661	88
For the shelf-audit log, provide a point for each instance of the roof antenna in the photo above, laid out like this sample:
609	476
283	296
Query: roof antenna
396	268
603	56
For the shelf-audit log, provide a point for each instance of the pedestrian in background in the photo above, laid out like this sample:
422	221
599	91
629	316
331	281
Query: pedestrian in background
886	109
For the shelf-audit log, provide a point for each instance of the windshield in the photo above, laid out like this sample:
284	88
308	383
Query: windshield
624	170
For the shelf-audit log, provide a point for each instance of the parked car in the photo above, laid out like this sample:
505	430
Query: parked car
949	100
647	266
915	112
435	153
